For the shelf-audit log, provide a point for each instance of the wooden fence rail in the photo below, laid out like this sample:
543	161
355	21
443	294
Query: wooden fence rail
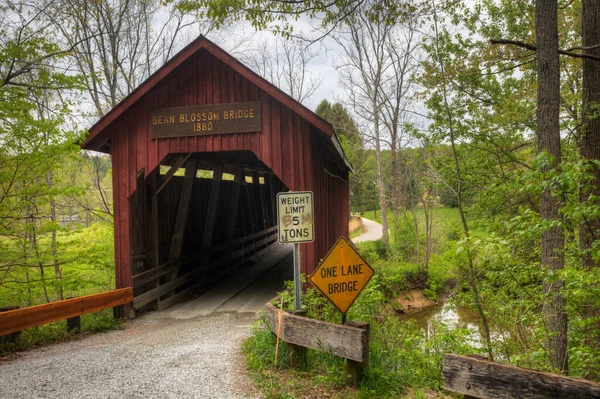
249	247
349	341
477	378
21	319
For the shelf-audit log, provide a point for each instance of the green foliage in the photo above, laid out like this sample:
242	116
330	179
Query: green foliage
373	251
278	16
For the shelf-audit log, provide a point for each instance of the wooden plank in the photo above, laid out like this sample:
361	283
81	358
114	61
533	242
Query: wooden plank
484	379
208	119
176	297
340	340
251	247
234	203
181	160
21	319
151	295
242	240
161	290
258	200
191	168
137	233
213	203
153	274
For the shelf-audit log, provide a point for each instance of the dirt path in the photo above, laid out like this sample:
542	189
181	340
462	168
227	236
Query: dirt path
371	231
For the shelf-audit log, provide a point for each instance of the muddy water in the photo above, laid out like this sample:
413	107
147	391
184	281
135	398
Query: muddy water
446	312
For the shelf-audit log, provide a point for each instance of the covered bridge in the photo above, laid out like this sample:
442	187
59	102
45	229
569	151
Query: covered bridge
199	152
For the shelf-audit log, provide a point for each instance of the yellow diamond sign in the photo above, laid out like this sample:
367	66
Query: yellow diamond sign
342	275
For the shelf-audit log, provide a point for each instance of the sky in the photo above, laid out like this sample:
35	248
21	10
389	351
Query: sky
322	65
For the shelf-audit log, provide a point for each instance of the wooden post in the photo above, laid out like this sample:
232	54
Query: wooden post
181	218
74	324
258	200
353	372
12	337
191	168
234	203
211	211
297	353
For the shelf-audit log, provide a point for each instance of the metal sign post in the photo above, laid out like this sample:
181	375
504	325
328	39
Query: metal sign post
297	277
295	225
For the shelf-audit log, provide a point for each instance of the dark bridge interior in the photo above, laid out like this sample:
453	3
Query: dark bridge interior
197	219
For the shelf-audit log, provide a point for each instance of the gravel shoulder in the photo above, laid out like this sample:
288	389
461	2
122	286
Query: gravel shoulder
156	356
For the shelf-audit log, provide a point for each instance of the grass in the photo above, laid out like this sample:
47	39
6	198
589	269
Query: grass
357	232
405	361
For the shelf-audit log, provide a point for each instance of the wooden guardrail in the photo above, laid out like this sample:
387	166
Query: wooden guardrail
349	340
245	248
478	378
21	319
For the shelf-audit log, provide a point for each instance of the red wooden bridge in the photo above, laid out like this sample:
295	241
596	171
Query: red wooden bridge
199	152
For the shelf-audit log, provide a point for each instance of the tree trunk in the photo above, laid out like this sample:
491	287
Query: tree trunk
57	268
590	151
548	132
459	199
385	237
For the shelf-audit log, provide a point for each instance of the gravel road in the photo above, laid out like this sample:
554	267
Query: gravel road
174	353
156	356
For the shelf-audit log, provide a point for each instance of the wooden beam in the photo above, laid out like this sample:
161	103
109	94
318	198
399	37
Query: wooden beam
484	379
155	235
258	200
250	223
21	319
213	206
165	179
166	288
340	340
153	274
272	195
137	217
176	297
234	203
182	209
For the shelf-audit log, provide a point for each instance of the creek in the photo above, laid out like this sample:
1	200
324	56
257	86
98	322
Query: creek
448	313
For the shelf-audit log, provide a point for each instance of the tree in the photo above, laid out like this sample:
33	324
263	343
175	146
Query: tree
278	15
548	134
589	150
34	143
352	143
363	72
285	64
448	118
117	44
398	98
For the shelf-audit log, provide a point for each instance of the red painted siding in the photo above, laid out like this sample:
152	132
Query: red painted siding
286	144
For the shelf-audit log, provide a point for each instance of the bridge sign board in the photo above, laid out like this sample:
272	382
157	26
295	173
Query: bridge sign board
295	217
342	275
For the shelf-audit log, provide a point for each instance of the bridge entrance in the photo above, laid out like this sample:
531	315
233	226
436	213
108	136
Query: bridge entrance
198	219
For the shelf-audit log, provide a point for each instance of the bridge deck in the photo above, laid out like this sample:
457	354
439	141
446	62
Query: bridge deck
247	291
